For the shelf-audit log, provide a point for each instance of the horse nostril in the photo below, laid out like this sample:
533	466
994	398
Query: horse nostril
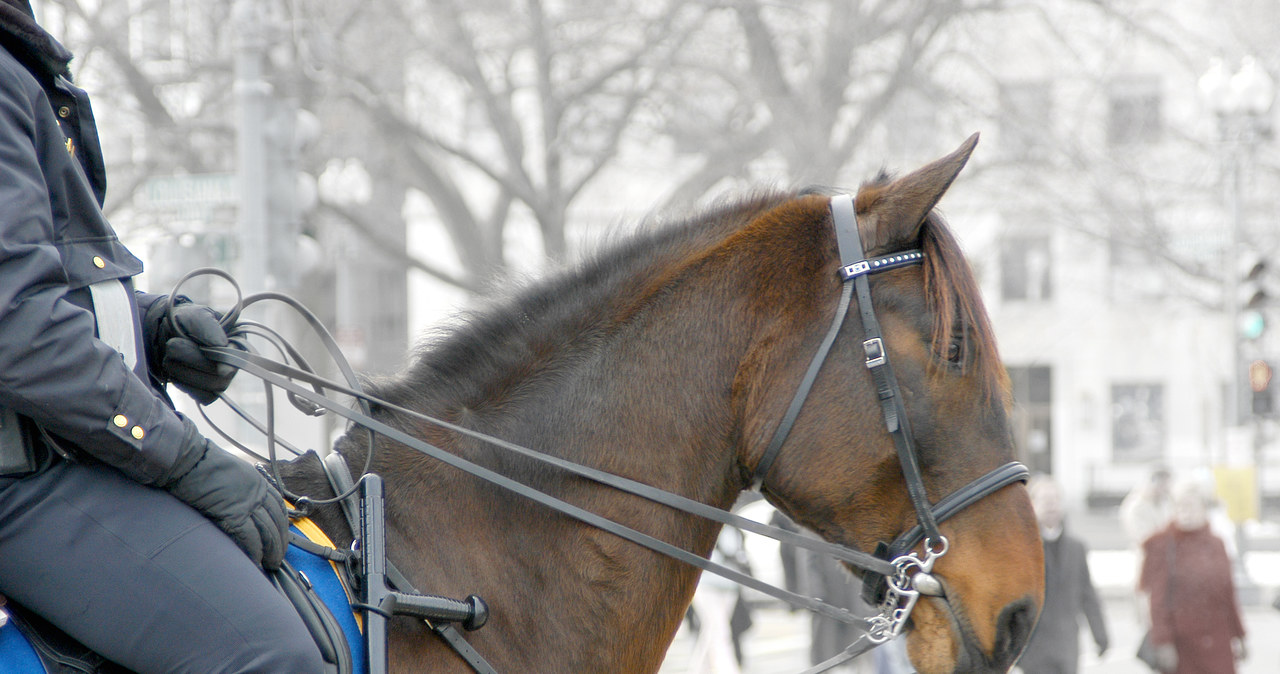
1014	629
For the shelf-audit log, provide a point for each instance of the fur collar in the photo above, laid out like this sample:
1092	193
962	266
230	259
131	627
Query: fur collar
31	44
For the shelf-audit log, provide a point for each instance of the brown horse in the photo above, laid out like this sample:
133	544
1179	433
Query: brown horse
670	360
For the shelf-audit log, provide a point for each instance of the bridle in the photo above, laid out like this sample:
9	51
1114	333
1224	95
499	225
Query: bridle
895	593
894	578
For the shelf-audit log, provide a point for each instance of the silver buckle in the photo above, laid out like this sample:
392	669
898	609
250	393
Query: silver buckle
856	269
874	348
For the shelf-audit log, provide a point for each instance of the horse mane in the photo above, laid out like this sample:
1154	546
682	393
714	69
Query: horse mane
956	302
485	354
491	347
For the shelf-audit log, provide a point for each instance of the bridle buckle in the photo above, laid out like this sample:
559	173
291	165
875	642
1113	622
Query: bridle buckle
858	268
874	349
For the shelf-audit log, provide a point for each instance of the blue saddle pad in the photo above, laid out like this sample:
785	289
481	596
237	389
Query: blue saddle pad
18	657
329	588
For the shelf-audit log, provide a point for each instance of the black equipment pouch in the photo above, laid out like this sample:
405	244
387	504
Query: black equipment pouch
17	448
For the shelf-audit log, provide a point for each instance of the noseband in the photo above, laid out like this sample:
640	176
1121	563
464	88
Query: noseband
895	594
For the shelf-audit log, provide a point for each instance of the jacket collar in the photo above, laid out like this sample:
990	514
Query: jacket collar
31	44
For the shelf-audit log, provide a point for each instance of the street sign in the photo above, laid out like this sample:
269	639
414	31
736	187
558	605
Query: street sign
185	191
1237	487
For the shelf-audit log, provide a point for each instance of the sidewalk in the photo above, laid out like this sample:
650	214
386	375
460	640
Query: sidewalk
779	640
1262	624
778	644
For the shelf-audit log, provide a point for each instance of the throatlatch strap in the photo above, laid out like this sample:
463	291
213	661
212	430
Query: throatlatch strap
802	391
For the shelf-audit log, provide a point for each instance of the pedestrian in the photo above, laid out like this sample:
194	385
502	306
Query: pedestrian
1069	592
716	603
1147	508
817	575
119	522
1195	619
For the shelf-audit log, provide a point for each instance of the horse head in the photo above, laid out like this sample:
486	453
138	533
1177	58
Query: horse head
839	471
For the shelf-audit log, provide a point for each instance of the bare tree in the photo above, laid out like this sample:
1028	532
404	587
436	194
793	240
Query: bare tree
506	111
510	109
166	89
801	86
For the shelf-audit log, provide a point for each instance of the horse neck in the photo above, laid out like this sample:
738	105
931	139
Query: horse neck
648	399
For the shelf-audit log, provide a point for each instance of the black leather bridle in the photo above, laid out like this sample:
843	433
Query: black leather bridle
895	593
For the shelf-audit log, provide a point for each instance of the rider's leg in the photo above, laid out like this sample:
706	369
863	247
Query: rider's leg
141	578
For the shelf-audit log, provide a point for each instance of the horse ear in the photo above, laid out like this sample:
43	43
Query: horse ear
893	212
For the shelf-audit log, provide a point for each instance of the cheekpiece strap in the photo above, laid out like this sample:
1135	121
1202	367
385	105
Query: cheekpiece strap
853	267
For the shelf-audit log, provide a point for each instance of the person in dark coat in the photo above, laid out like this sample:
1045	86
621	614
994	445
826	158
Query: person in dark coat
1069	593
119	522
817	575
1196	625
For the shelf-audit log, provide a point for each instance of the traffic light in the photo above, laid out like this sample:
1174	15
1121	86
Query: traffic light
291	193
1260	383
1252	297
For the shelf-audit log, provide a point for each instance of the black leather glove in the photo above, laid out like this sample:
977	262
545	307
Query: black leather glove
174	354
232	494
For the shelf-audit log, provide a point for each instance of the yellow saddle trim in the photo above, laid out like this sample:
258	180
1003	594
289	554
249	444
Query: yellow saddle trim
316	535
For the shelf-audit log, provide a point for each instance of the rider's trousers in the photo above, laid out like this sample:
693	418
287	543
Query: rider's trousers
141	578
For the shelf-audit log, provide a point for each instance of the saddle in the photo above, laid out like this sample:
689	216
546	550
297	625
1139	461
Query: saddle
58	653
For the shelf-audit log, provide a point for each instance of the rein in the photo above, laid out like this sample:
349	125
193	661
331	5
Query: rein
896	576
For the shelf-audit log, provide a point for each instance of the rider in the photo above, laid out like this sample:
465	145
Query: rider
119	522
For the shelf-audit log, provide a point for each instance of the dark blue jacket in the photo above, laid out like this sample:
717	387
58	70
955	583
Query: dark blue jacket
54	244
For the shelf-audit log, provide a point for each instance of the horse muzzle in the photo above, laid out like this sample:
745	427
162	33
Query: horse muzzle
937	613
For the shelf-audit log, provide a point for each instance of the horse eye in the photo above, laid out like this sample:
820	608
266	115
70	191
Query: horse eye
955	352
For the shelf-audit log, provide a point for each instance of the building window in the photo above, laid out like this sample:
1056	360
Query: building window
1025	269
1134	275
1026	119
1033	415
1137	422
1133	110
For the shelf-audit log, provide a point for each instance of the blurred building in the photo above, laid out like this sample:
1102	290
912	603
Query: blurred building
1120	213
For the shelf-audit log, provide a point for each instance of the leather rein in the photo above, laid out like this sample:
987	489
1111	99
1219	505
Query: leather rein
894	578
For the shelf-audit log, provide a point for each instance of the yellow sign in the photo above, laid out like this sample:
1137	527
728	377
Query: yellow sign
1238	489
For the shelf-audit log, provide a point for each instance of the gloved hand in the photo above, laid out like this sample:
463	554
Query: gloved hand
232	494
174	354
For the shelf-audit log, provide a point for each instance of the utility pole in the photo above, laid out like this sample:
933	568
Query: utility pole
1240	100
268	144
253	94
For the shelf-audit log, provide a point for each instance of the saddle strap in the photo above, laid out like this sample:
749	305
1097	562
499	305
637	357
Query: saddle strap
324	628
339	475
